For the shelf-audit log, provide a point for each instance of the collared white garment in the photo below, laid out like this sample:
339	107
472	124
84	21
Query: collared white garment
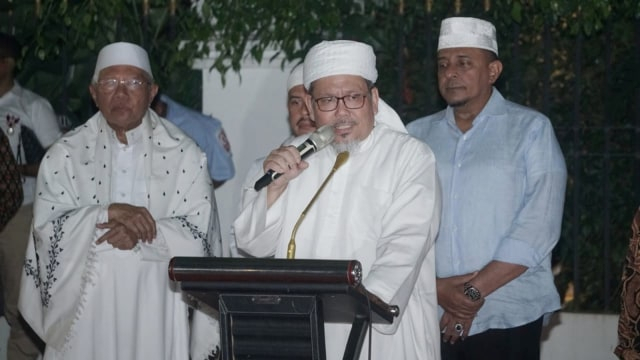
20	107
382	208
89	301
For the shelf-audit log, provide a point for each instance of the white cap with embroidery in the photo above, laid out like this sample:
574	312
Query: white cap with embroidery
470	32
122	53
339	57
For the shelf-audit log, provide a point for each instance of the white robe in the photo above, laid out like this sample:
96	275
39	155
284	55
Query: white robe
382	207
89	301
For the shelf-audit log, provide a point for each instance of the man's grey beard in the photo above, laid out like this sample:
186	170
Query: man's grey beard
351	146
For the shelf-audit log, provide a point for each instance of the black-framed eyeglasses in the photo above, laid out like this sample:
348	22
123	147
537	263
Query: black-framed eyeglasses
109	85
330	103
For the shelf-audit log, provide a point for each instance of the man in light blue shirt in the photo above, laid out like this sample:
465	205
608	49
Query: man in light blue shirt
206	131
503	180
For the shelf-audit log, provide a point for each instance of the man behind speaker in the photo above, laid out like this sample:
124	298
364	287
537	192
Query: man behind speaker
382	206
300	120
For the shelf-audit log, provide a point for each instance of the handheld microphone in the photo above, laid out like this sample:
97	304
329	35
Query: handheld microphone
316	141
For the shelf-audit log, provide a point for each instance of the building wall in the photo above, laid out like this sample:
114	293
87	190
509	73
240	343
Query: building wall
576	336
252	108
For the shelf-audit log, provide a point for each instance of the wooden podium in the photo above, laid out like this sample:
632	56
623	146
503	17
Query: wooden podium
276	308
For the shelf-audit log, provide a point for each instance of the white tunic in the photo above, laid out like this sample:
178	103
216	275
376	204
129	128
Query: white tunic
382	208
91	301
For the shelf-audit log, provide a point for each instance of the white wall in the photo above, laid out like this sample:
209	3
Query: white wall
575	336
252	108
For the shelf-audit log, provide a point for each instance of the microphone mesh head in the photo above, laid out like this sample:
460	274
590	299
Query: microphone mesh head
323	136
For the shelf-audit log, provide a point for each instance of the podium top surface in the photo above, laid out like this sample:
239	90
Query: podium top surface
335	282
347	272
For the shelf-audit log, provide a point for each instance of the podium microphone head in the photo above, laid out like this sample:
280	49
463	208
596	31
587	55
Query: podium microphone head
340	160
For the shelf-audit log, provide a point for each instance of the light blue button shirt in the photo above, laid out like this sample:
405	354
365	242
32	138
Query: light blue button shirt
503	185
208	133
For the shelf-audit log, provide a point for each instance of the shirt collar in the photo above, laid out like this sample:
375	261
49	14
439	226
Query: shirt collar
15	91
493	107
134	135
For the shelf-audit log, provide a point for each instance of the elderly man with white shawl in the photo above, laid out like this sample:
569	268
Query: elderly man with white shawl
116	199
381	207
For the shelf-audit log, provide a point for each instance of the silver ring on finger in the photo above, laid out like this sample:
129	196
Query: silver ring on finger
459	328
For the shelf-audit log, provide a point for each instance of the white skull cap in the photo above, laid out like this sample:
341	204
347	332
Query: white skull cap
339	57
295	77
386	115
344	57
470	32
122	53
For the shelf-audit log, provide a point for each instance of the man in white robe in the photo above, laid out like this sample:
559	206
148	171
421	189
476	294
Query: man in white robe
116	199
381	207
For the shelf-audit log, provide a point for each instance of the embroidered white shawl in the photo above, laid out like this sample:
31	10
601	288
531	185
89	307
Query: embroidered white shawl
74	186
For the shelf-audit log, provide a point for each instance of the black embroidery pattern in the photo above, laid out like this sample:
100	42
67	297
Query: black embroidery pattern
197	234
33	270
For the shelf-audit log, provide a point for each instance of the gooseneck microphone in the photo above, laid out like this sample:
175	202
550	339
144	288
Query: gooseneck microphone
316	141
340	160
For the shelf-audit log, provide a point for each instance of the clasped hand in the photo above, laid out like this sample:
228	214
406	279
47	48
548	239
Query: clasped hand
127	225
458	308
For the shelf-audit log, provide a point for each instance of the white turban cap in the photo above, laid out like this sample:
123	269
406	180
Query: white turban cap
386	115
467	32
339	57
122	53
295	77
344	57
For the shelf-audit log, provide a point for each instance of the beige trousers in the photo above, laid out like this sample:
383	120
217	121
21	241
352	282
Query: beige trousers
23	343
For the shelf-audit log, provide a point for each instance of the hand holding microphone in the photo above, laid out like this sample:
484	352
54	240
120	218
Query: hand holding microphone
284	159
